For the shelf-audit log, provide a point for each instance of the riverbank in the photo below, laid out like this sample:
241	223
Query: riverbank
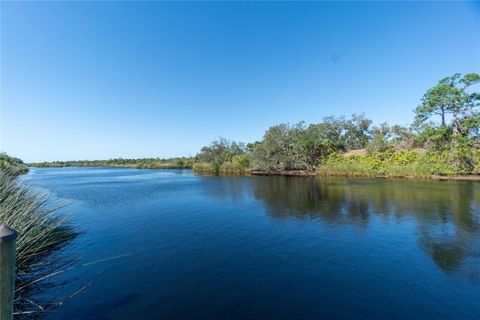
292	173
306	173
225	168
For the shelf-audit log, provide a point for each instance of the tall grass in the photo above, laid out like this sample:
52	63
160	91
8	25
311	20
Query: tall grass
203	167
41	232
354	169
11	164
226	168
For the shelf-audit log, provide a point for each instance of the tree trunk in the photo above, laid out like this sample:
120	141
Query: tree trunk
456	124
443	116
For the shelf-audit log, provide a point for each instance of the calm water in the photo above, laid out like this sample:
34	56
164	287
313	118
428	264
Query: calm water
174	245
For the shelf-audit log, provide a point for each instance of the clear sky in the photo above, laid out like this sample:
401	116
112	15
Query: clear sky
97	80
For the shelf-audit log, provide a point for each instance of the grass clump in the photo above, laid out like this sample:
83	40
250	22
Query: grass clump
41	233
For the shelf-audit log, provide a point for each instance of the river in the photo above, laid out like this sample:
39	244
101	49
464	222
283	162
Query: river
171	244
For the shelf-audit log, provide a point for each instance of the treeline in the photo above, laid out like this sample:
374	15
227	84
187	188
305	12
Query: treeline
146	163
444	139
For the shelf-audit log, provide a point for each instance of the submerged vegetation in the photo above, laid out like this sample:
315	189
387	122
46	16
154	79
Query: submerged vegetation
443	140
42	232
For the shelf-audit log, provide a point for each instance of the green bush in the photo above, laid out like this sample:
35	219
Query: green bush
476	161
402	163
238	164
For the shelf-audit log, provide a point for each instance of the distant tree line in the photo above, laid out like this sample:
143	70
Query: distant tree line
146	163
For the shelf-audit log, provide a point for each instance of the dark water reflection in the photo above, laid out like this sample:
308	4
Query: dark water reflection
202	247
447	214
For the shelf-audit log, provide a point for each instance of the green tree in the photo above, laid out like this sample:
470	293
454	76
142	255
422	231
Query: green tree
402	137
281	148
451	96
220	151
315	146
433	137
357	132
380	139
434	103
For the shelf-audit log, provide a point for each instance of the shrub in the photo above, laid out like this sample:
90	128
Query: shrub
389	163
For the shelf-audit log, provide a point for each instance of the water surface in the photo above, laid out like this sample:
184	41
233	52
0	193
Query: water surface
170	244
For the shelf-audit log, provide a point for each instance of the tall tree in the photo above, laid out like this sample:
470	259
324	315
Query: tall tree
451	96
219	151
357	132
434	103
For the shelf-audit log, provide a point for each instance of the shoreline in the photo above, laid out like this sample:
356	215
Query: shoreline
306	173
299	173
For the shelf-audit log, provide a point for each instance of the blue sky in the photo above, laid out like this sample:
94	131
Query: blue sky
97	80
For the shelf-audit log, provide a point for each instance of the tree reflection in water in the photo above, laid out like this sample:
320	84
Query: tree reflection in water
446	214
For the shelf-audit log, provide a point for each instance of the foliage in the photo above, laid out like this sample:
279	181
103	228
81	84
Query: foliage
220	151
434	137
357	131
380	138
281	148
476	161
11	164
388	163
298	147
459	159
451	97
451	146
238	165
456	158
